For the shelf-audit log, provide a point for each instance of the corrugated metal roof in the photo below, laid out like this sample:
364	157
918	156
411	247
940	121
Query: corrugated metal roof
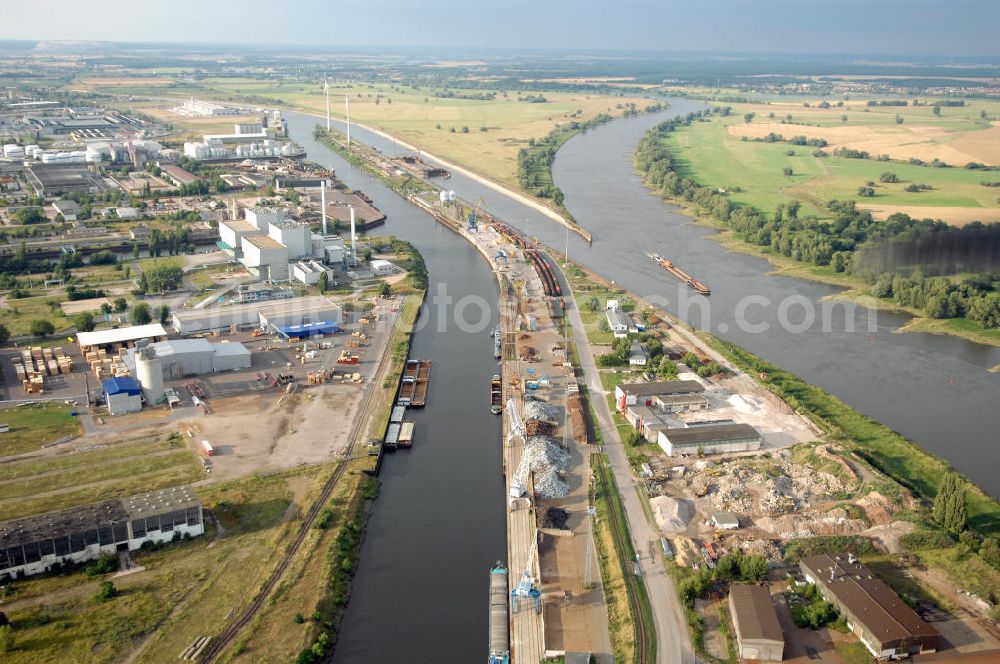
121	334
711	434
662	388
754	613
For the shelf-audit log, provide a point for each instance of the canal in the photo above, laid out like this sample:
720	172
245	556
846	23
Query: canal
934	389
420	592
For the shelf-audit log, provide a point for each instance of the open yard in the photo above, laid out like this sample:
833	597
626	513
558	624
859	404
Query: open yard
35	425
721	153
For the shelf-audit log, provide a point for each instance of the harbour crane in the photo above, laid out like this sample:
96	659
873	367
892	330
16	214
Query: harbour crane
472	225
527	588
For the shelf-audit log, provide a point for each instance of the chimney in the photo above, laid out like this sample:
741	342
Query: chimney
322	196
354	240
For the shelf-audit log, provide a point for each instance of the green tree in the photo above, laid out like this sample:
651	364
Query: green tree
324	282
84	322
990	552
949	504
120	304
788	171
141	314
41	327
385	290
4	334
164	313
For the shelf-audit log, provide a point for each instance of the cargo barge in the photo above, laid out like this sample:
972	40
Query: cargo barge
413	387
499	652
669	266
496	395
497	346
405	435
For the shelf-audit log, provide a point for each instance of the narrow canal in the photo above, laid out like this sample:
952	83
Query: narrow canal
934	389
420	592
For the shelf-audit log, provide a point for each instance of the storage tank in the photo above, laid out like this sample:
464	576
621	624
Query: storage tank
149	373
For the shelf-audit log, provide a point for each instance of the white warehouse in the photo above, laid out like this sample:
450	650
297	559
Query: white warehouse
193	357
255	314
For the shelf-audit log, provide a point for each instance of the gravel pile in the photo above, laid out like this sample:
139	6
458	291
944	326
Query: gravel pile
671	515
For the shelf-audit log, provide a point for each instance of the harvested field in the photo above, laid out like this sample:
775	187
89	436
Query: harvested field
905	141
956	216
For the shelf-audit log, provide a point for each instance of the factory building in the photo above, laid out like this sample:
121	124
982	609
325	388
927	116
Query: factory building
122	337
308	272
257	314
68	209
263	216
680	403
296	237
265	258
709	438
41	543
178	175
179	358
122	394
758	633
646	420
646	394
51	179
884	623
383	267
231	234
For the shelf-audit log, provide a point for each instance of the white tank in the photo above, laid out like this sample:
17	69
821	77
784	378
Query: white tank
149	373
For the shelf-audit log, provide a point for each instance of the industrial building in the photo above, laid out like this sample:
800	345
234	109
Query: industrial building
55	179
308	272
681	403
758	633
884	623
36	544
68	209
122	394
630	394
637	355
122	337
647	421
179	358
178	175
383	267
231	234
709	438
265	257
290	311
296	237
197	108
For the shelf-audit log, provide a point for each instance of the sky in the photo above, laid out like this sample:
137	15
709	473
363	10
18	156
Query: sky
882	27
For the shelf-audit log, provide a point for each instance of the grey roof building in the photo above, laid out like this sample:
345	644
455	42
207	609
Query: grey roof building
758	632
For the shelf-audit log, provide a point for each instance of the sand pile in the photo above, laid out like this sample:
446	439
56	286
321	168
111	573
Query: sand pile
672	515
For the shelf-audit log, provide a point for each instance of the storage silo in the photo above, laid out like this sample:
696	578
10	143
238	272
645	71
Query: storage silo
149	372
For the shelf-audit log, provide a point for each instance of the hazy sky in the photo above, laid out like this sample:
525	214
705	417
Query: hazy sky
938	27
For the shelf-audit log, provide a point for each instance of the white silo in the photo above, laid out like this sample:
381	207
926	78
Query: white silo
149	373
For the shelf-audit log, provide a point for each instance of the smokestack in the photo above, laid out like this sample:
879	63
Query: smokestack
326	89
347	106
322	198
354	240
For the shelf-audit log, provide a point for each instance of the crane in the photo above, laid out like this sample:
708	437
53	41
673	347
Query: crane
527	588
471	224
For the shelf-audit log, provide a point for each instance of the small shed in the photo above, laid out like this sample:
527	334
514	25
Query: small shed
725	521
122	394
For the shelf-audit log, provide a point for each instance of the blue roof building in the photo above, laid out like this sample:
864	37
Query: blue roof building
122	394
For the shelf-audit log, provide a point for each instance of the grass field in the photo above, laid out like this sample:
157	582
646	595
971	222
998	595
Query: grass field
496	128
713	154
38	484
31	427
186	590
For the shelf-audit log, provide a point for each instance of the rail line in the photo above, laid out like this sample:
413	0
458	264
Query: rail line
222	641
645	652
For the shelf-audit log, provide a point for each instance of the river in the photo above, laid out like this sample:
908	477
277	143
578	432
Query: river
420	591
934	389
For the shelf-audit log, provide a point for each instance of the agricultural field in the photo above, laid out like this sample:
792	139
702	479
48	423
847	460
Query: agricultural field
722	152
494	129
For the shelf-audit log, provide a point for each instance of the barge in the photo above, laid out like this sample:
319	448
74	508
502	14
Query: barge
413	387
496	395
669	266
499	646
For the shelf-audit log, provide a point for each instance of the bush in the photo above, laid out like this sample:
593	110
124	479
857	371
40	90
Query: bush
106	592
105	564
141	314
926	539
41	327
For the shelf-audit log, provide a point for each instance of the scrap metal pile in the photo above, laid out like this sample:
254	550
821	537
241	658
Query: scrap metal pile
535	409
544	458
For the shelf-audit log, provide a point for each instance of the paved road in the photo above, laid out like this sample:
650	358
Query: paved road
672	645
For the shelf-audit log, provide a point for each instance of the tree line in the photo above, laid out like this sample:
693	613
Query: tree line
834	241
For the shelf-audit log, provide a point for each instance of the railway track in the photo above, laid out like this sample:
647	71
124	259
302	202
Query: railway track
644	645
224	639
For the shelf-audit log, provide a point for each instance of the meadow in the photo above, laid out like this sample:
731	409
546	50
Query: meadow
716	153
